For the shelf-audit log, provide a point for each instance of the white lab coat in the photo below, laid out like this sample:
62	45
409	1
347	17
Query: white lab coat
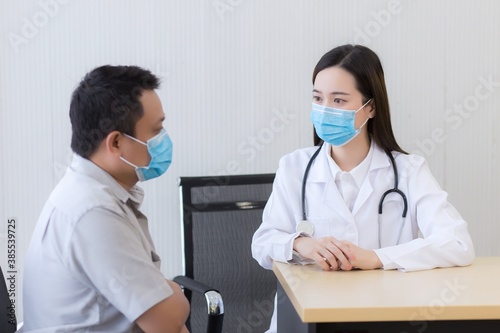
434	233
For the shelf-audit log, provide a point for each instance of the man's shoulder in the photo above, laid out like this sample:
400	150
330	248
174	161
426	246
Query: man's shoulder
77	193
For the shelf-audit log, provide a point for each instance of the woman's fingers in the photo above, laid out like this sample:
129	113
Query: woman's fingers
322	261
340	250
333	253
327	252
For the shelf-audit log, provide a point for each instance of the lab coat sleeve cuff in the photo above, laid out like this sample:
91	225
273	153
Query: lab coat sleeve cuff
283	251
297	259
387	263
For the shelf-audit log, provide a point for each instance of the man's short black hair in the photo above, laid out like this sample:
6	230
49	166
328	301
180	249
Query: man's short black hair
106	100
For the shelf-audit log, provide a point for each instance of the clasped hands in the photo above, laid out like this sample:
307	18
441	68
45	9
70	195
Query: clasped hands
333	254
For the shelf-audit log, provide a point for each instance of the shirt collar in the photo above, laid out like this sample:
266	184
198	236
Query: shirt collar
358	173
86	167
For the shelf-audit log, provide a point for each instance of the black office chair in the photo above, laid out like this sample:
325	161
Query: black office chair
8	321
220	215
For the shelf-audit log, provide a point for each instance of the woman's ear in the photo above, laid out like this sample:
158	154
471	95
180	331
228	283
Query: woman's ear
372	108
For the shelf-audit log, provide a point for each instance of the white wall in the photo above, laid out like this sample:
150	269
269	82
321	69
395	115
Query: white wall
233	68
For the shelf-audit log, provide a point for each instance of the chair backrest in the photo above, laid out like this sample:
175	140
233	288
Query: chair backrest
220	215
7	312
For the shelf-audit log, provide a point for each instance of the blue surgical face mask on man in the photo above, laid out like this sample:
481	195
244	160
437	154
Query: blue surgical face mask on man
335	126
160	149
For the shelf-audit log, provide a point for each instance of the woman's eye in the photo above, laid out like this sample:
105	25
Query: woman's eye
337	100
316	98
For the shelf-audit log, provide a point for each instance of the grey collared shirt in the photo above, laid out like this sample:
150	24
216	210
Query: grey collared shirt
91	265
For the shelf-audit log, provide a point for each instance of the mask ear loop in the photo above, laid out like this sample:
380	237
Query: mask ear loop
362	106
129	163
360	127
135	139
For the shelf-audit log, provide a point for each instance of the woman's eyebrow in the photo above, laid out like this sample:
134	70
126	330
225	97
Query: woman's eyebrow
332	93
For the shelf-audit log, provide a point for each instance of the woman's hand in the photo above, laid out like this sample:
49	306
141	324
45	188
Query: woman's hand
330	253
327	252
359	257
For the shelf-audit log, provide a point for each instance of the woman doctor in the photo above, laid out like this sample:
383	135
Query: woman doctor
334	220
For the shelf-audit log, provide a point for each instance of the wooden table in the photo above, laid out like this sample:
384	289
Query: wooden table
458	299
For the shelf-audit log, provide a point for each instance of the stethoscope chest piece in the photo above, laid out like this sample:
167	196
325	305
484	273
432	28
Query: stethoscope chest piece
305	227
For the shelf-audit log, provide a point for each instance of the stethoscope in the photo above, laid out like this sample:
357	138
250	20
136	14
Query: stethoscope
307	227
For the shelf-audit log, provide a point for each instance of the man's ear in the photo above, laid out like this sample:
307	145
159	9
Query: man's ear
113	142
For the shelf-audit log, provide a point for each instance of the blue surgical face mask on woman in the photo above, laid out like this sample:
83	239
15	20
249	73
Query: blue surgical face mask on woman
160	149
335	126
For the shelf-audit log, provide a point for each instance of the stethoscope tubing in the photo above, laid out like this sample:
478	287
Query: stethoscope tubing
395	189
304	180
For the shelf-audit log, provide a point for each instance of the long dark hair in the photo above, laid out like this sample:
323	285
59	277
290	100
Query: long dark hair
367	70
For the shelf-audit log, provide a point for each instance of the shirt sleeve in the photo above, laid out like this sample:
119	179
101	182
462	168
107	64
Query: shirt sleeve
107	251
445	240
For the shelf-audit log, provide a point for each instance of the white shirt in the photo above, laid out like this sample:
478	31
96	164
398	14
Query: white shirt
350	182
91	265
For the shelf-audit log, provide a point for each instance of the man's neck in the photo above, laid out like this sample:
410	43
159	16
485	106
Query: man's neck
120	178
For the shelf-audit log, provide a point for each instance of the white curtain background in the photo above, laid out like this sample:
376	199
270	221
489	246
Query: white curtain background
237	93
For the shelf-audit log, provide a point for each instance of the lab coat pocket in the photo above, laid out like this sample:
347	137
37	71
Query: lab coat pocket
322	225
391	219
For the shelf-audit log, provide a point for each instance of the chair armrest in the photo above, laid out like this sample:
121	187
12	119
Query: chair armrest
215	305
191	284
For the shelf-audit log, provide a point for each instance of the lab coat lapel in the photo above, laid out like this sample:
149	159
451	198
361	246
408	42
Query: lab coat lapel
379	160
320	173
333	199
364	192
